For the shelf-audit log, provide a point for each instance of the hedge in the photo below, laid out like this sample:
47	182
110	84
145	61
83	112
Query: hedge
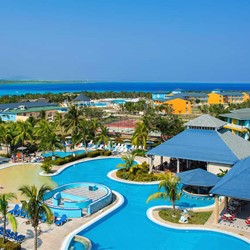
68	159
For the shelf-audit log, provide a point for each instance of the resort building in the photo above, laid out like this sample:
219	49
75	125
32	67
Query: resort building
193	97
82	100
23	110
238	121
178	105
217	97
8	117
205	144
234	185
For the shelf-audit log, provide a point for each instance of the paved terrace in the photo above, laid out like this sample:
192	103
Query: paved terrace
52	236
239	222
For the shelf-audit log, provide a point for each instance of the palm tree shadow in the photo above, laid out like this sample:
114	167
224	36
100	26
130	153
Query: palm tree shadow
29	234
39	242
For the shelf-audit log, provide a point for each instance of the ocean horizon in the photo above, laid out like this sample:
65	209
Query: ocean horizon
16	88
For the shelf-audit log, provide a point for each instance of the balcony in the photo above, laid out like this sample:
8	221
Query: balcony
236	127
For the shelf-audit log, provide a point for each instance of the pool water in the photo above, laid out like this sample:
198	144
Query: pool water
118	101
99	104
63	154
129	228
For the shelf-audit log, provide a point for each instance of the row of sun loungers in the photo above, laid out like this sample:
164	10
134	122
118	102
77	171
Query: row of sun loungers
17	211
10	235
59	221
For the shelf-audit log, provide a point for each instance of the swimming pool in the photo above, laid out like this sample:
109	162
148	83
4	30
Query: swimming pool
118	101
129	227
63	154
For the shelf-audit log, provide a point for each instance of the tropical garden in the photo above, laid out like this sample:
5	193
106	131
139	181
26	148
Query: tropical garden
169	188
34	208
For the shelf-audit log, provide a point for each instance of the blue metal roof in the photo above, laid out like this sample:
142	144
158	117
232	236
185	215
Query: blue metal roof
236	182
199	145
198	177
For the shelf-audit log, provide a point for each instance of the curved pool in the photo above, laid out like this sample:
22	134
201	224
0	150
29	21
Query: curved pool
129	227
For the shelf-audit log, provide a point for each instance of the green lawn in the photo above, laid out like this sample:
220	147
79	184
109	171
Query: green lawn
195	217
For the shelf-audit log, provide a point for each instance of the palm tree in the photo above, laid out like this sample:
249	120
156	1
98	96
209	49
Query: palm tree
35	206
103	135
42	114
83	133
24	131
4	201
140	135
171	190
43	127
95	124
7	134
51	142
129	160
72	119
58	122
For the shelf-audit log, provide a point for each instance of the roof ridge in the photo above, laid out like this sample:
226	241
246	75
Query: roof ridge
206	120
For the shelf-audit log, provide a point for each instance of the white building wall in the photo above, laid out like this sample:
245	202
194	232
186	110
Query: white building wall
215	167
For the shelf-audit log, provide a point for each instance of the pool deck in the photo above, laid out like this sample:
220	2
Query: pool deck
236	229
52	236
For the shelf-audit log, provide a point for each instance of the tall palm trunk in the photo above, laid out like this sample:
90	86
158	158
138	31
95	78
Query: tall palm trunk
86	147
35	238
173	203
4	227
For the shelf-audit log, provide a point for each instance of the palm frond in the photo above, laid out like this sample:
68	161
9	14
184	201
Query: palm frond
12	220
156	196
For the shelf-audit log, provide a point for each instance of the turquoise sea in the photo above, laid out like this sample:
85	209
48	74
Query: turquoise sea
61	87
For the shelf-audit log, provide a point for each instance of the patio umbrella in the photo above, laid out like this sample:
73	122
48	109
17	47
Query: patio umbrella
21	148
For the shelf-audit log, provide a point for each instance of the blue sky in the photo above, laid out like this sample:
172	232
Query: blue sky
126	40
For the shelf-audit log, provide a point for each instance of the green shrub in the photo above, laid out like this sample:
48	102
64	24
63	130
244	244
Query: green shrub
68	159
6	155
47	167
47	159
94	154
81	156
139	152
107	153
138	173
9	245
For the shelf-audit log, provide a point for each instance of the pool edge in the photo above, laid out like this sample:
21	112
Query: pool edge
150	216
68	239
